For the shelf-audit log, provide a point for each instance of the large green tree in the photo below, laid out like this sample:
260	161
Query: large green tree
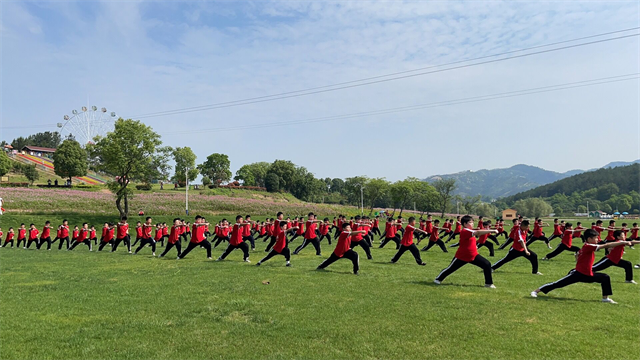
70	160
46	139
253	174
5	163
286	172
533	207
216	168
445	188
131	152
375	189
403	193
31	173
184	158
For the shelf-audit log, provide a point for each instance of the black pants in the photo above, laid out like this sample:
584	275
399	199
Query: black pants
325	236
506	243
349	254
221	239
160	241
251	240
562	247
47	240
503	233
183	236
85	241
285	252
104	243
205	244
376	231
437	242
294	237
144	242
126	240
514	254
62	241
23	240
489	246
7	243
534	238
242	246
624	264
494	239
170	246
575	277
456	264
314	242
386	240
414	251
34	241
271	243
364	245
452	236
554	236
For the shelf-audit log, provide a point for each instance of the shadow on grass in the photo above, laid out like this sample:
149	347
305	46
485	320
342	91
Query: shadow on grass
545	298
431	283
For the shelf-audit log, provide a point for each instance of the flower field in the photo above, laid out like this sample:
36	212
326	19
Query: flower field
69	201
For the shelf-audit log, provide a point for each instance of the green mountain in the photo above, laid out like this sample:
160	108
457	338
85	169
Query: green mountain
625	178
502	182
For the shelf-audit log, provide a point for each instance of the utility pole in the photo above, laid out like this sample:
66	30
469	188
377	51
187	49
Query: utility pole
186	176
361	200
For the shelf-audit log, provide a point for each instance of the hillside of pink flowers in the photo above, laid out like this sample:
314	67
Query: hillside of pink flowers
67	201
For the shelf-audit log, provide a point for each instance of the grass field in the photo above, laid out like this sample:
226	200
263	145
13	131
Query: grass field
78	305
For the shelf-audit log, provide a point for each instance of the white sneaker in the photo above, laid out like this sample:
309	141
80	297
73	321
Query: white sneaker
534	294
637	266
490	286
154	254
437	282
247	261
538	273
632	282
609	300
219	259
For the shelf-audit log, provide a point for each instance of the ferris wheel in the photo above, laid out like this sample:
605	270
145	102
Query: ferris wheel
85	124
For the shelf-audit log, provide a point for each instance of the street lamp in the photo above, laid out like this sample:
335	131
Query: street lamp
361	199
186	176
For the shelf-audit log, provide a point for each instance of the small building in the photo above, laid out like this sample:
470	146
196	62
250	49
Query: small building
509	214
38	151
597	214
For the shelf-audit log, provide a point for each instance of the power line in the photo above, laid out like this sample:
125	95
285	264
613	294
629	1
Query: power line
544	89
379	79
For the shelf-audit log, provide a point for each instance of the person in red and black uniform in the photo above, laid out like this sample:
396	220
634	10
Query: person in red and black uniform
64	234
390	234
583	272
198	239
376	227
33	236
22	236
275	231
46	235
519	248
482	240
467	253
280	247
108	235
139	233
614	258
9	239
224	230
122	235
147	229
83	237
538	234
310	236
324	229
236	240
407	243
343	249
566	244
434	237
174	238
512	234
246	232
457	230
357	239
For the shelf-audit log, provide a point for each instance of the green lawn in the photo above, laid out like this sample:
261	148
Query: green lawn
58	304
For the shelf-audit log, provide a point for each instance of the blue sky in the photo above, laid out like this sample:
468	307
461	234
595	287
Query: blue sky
141	57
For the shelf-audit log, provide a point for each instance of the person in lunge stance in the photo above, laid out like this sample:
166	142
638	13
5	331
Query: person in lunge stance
467	253
46	235
198	239
519	248
433	239
147	229
280	247
343	249
614	258
566	244
174	238
583	272
310	236
122	235
236	241
407	243
83	238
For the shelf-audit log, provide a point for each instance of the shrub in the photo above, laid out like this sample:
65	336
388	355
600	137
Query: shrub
145	187
10	184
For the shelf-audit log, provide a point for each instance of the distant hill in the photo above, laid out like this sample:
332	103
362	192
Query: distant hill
502	182
626	178
497	183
